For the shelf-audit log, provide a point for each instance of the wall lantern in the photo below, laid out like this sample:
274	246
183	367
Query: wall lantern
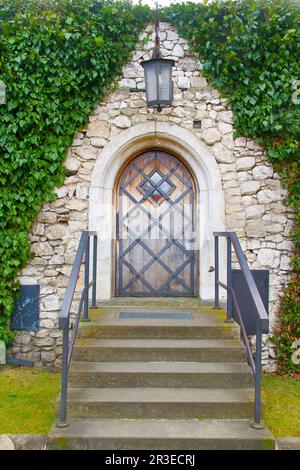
158	76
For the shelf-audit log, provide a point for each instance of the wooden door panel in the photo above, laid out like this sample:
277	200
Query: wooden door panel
155	224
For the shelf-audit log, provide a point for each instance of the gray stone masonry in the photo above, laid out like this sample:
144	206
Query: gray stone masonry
253	193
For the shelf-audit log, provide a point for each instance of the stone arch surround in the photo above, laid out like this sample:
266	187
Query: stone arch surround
195	154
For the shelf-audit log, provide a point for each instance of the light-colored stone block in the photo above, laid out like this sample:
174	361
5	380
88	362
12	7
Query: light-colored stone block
172	36
240	142
130	71
82	191
225	116
198	82
187	64
98	129
273	228
222	154
168	45
51	303
211	136
225	128
72	165
183	82
268	258
265	196
227	140
178	51
128	83
42	249
250	187
98	142
254	212
285	263
86	152
121	121
262	172
56	231
245	163
255	229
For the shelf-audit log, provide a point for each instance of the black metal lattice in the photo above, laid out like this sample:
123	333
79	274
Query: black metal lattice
156	188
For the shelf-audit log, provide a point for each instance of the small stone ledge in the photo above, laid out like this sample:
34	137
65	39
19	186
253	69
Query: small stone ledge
27	441
288	443
6	443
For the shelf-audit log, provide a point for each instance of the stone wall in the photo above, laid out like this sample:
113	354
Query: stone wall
252	191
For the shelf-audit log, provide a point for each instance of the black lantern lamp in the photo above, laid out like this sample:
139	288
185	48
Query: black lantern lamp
158	76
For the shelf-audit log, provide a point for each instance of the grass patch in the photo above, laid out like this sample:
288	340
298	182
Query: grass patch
27	398
281	397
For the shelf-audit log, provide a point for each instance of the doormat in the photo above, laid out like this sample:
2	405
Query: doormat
156	315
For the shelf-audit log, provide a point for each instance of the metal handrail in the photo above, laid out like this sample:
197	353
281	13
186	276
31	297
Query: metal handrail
260	308
262	319
83	251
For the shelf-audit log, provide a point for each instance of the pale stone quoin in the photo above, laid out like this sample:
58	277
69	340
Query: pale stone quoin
237	190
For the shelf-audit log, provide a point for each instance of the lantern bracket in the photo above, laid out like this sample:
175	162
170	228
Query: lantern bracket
158	75
156	52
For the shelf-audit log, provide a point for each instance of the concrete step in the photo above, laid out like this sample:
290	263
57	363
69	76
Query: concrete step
159	403
159	329
94	350
160	374
151	302
115	434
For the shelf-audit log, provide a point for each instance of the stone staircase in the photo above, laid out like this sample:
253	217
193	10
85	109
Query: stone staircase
159	383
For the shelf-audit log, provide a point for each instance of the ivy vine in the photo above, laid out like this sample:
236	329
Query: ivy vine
57	59
250	51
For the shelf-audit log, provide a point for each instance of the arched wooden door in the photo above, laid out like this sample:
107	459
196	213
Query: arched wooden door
156	228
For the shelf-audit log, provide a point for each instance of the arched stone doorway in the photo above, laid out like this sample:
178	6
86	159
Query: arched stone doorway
156	243
209	210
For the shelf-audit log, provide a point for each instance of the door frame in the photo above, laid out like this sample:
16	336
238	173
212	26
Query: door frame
195	214
196	155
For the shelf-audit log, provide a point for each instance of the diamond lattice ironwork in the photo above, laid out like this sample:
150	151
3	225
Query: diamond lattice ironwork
156	187
139	258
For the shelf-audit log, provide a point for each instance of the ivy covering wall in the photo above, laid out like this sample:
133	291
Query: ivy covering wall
250	50
58	58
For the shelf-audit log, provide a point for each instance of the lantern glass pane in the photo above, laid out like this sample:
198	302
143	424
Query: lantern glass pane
164	80
150	75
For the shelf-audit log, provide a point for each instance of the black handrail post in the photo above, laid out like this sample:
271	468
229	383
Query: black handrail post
217	300
258	423
229	282
83	250
62	421
262	322
94	287
86	281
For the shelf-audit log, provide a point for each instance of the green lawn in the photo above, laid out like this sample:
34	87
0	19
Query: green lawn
281	397
27	398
